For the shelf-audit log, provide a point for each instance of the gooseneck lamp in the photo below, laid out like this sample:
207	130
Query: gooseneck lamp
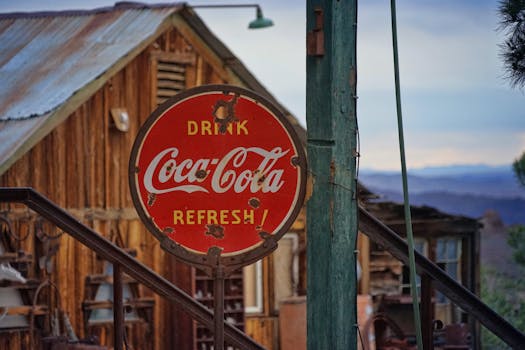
259	22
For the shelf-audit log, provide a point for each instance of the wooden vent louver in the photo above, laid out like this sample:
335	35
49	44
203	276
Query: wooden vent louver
171	79
171	74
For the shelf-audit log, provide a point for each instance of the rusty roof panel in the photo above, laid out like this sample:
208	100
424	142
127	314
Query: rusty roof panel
46	57
13	134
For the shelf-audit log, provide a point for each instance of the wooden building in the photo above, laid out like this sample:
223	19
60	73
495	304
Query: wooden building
450	241
76	86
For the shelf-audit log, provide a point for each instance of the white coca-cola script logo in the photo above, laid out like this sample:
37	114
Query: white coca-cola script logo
227	175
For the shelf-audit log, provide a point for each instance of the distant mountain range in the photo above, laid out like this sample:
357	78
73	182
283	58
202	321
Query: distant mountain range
468	190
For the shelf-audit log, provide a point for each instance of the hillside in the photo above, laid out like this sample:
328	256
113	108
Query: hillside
455	190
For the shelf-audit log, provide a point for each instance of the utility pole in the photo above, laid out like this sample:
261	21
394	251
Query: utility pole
332	152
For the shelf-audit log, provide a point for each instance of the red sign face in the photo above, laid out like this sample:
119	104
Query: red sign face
217	166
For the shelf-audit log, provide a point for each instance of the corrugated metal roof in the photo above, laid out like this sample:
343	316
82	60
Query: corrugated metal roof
14	134
46	57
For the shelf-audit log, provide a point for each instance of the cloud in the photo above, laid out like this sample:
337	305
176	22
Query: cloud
431	148
457	106
448	47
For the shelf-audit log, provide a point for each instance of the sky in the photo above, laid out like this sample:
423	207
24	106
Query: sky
458	108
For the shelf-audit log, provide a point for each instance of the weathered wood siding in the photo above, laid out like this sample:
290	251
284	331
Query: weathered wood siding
265	330
82	166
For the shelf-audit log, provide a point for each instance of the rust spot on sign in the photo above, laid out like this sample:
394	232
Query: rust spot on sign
261	180
214	253
201	174
216	231
264	235
254	202
151	198
168	230
224	113
295	161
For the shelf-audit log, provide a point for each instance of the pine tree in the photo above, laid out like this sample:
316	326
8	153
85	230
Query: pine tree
519	169
512	15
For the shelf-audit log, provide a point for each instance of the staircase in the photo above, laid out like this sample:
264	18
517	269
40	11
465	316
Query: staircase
122	263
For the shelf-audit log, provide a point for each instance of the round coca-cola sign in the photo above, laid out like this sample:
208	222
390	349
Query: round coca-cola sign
217	167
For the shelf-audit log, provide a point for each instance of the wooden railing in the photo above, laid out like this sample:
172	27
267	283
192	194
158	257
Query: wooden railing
122	262
458	294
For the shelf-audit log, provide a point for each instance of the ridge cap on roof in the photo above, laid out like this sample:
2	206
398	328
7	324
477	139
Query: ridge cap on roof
121	5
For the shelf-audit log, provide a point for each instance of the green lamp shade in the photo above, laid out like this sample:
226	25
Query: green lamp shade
260	21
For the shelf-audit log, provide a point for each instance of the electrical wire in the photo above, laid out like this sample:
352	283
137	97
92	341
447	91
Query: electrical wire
360	336
408	219
357	155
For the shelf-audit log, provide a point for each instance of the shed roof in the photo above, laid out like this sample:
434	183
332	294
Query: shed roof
426	221
46	57
51	62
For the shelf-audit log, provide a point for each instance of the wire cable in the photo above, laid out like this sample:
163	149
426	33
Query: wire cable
408	219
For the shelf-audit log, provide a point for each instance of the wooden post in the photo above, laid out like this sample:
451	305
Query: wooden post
427	312
118	308
332	151
218	307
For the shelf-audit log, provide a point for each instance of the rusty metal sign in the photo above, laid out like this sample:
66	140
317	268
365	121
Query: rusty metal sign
217	174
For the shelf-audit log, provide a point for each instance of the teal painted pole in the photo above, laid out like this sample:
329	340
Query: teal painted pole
332	151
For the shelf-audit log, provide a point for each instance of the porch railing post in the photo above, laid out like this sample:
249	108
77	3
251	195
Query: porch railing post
118	308
218	314
427	314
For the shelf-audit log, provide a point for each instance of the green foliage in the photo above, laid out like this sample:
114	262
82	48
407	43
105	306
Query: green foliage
516	241
505	295
519	169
